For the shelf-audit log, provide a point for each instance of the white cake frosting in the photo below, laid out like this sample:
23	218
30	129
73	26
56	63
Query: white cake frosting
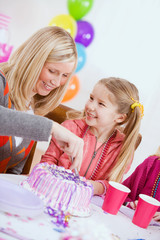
60	189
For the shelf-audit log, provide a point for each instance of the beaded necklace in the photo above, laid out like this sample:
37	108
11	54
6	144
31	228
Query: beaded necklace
102	156
155	186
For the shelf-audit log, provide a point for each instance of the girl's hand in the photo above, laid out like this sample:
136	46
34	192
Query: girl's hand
156	216
133	205
69	143
97	187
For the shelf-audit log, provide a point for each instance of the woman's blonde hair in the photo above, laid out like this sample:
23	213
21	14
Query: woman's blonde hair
124	93
49	44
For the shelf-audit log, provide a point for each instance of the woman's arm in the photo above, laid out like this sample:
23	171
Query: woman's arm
16	123
20	124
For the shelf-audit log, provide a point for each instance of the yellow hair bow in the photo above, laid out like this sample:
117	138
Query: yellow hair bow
137	104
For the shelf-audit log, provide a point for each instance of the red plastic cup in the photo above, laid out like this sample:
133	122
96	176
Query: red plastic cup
115	197
145	210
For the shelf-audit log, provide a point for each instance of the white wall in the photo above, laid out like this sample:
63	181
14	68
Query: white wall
126	44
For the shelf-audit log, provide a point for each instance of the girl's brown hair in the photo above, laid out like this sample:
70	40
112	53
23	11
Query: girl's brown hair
124	93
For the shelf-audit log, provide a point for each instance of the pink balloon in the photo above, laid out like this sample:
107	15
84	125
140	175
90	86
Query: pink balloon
85	33
6	52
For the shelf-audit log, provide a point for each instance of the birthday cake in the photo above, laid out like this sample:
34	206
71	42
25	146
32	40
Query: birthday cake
60	189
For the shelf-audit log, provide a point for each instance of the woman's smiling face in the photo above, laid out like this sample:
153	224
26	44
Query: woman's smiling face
53	75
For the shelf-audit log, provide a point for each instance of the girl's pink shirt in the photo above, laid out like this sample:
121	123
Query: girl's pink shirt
145	179
54	155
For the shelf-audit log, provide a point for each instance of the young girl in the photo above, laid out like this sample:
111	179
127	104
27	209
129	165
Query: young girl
145	179
108	152
34	81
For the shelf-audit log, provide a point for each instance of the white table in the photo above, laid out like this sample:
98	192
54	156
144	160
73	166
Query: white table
41	228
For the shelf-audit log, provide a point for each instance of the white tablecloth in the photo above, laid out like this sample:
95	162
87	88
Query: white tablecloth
41	227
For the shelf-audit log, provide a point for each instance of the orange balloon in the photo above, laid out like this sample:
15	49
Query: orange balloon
73	89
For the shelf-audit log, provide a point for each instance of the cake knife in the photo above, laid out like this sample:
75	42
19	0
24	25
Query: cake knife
75	169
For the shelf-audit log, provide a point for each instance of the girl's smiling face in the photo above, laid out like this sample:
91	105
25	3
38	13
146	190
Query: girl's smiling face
101	110
53	75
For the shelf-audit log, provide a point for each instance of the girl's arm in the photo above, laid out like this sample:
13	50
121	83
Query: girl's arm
52	154
156	216
98	187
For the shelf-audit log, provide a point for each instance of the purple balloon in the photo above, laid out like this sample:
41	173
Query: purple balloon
85	33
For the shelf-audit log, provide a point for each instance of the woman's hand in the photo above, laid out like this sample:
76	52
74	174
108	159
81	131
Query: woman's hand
69	143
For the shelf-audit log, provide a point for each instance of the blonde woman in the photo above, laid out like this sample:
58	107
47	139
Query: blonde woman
33	82
108	152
